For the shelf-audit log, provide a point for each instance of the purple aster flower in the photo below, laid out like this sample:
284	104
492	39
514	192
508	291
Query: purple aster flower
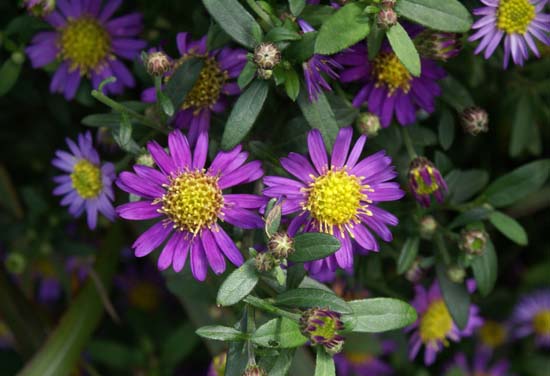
87	42
435	326
214	84
481	365
190	201
519	22
532	316
388	87
350	363
493	334
338	197
217	366
425	180
315	67
86	184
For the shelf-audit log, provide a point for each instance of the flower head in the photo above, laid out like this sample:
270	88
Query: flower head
532	316
425	180
480	366
474	120
388	87
438	45
435	326
209	94
87	42
353	362
322	327
87	185
190	202
337	197
492	334
518	22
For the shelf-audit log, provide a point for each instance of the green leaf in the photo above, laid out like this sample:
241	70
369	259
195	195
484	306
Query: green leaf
303	49
404	48
237	354
519	183
235	21
344	112
238	284
374	40
166	104
465	184
247	75
294	276
456	297
324	363
343	29
115	355
446	129
280	34
292	84
182	81
309	298
509	227
316	15
310	283
448	15
312	246
381	314
470	216
408	254
279	333
178	345
297	6
221	333
216	37
485	268
244	114
273	219
102	120
455	94
9	73
319	115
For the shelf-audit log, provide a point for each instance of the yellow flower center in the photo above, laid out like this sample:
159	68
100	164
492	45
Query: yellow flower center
334	199
193	201
358	358
436	322
515	16
423	188
85	43
86	179
144	295
492	334
541	322
390	72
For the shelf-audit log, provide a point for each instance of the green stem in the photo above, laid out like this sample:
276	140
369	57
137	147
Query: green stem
408	143
123	109
250	329
268	307
260	12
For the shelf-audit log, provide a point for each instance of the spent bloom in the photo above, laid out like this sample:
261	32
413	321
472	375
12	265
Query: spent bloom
474	120
337	197
532	316
361	362
388	88
87	184
323	326
87	42
189	201
518	22
158	63
435	326
425	180
480	366
213	86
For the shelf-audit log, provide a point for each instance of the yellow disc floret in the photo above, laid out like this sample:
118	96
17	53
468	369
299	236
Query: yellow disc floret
515	16
85	43
541	322
390	72
193	201
86	179
423	188
436	322
334	200
492	334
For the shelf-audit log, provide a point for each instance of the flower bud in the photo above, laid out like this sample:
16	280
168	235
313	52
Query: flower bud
39	8
424	180
323	327
437	45
266	56
473	242
474	120
415	272
456	274
254	370
388	3
428	225
158	64
264	74
145	159
265	262
281	245
386	18
368	124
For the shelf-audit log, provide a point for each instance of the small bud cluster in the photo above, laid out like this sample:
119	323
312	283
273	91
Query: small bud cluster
424	180
158	64
473	242
474	120
368	124
266	57
322	326
280	246
387	17
428	225
456	274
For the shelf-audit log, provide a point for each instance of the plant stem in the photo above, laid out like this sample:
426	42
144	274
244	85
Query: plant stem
408	143
268	307
250	328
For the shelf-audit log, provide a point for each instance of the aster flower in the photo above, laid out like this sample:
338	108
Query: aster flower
323	326
438	45
350	363
425	180
518	22
492	334
481	365
189	200
214	84
337	197
315	67
435	326
86	184
388	88
532	316
87	42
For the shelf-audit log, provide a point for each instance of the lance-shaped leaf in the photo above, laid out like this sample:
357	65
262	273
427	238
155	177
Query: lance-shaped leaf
380	315
319	115
448	15
221	333
238	284
279	333
485	268
182	81
408	254
312	246
404	48
509	227
308	298
456	297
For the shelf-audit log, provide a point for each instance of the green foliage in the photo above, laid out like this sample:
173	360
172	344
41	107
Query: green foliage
448	15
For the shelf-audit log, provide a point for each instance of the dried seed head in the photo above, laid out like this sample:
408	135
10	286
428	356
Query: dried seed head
281	245
267	56
474	120
158	64
473	242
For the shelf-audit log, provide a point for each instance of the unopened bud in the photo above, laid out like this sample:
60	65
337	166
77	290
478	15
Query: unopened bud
39	8
368	124
281	245
265	262
428	225
415	272
158	64
388	3
474	120
438	45
386	18
323	326
145	159
254	370
456	274
473	242
267	56
425	180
